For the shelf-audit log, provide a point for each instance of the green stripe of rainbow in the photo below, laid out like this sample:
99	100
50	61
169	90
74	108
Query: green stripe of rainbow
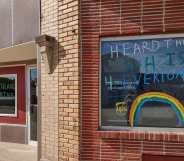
150	95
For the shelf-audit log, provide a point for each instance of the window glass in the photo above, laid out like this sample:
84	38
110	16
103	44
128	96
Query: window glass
142	82
8	95
33	104
33	86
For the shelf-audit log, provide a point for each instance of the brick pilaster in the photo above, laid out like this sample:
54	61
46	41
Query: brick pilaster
48	144
68	80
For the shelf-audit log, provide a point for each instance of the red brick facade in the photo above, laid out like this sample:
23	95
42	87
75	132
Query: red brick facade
107	18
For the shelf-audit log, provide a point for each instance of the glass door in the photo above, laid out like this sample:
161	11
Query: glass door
33	104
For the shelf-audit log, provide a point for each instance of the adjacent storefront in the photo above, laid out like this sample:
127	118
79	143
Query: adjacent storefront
18	70
18	103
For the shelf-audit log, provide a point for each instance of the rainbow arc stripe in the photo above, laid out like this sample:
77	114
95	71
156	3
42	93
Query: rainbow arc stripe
157	97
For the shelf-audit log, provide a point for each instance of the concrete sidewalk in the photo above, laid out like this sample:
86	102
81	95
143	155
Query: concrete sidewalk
17	152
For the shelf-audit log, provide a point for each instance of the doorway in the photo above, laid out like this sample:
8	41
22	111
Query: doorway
32	105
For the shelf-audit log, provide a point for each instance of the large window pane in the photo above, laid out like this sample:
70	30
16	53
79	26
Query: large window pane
8	95
6	23
25	20
142	82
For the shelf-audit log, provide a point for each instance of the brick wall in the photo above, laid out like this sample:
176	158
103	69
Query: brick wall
101	18
68	80
49	86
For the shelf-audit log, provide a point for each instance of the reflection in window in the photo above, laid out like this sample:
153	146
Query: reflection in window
33	86
8	94
33	104
142	82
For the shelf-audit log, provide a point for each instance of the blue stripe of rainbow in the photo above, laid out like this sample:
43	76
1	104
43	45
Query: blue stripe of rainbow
157	97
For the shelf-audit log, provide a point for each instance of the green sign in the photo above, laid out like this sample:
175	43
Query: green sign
7	86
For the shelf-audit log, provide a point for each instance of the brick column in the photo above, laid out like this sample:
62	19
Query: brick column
48	145
68	80
47	99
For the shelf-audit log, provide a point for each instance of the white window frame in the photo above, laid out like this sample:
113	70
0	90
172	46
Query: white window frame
15	76
128	128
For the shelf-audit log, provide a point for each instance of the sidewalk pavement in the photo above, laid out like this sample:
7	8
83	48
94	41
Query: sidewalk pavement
17	152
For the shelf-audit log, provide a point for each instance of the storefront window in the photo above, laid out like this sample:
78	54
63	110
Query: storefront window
8	88
142	82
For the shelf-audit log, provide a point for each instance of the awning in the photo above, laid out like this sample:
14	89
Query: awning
22	52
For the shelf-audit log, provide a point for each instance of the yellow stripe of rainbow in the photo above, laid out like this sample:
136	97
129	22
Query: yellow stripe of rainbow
160	95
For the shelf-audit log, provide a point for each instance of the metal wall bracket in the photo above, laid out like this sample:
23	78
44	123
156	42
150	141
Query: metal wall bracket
46	48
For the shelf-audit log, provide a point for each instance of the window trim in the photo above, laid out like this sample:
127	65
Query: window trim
15	113
127	128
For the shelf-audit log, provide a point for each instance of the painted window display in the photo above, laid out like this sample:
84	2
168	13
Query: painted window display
142	82
8	95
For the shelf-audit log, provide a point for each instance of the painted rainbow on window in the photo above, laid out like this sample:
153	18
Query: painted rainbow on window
157	97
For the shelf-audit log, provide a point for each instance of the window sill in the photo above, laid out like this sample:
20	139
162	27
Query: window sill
172	136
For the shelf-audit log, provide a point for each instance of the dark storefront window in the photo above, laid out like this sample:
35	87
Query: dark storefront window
142	82
8	94
33	104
